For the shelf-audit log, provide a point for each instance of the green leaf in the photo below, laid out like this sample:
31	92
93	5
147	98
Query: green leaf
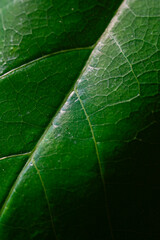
79	134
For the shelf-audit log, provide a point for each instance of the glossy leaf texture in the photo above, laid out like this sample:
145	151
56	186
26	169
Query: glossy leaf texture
79	139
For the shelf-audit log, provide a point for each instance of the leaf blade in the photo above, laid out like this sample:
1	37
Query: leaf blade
58	143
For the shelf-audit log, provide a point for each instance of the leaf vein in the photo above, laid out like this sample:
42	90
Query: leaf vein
46	197
120	48
44	57
15	155
99	163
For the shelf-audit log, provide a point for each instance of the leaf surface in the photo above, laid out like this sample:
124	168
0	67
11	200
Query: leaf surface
80	138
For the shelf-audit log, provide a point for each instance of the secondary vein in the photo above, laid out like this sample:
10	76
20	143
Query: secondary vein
46	196
99	162
121	50
44	57
30	159
15	155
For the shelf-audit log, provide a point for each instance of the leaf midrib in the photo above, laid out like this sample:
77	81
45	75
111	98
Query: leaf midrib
44	133
30	159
